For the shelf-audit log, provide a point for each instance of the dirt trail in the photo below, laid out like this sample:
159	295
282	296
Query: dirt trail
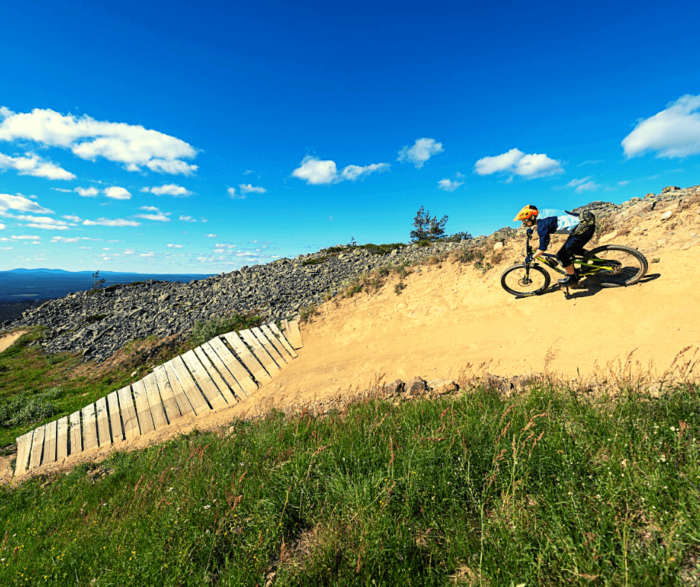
452	315
7	340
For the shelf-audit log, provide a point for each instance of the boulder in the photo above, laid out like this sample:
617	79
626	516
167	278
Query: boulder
393	388
415	387
442	386
670	188
667	215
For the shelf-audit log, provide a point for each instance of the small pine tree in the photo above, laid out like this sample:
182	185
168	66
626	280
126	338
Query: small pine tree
426	228
97	283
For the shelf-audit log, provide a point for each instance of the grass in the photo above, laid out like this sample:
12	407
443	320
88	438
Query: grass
372	248
550	487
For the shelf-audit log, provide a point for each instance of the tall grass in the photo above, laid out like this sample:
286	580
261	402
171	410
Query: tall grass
552	486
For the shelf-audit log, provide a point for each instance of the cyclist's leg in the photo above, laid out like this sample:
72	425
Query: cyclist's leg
574	245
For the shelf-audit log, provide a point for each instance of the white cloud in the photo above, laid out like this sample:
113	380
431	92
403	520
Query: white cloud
673	132
64	190
449	185
88	192
174	246
129	251
157	214
188	219
108	222
2	226
133	145
6	248
515	162
43	222
622	183
71	217
353	172
25	238
210	235
583	185
117	193
22	204
61	239
169	189
146	254
232	194
249	189
420	152
32	164
317	172
86	248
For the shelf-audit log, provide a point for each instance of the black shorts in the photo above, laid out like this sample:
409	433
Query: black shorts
574	245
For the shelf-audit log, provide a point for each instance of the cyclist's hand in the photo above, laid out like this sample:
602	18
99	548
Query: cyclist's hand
528	259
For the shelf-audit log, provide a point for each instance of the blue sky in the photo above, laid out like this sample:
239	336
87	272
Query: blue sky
179	137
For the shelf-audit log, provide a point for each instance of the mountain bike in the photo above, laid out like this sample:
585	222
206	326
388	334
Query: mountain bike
606	266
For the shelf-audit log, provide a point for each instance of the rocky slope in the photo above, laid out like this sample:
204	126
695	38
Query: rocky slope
99	324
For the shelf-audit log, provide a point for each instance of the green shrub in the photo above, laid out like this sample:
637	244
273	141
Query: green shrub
316	261
27	407
205	331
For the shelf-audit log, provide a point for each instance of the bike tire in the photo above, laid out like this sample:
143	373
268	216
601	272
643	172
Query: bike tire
632	276
521	268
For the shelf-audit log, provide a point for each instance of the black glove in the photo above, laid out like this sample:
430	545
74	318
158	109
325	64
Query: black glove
528	259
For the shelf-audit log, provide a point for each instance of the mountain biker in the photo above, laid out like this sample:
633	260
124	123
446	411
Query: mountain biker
578	237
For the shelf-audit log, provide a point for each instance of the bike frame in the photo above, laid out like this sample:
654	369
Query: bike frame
553	263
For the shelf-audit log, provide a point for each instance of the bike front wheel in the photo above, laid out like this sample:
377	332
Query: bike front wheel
521	280
614	266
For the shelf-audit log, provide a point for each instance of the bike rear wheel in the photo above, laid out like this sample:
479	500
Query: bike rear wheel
521	280
621	266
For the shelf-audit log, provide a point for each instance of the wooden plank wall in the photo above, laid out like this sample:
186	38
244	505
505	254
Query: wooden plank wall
211	377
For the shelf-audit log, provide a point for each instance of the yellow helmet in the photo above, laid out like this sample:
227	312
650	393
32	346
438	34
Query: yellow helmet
527	212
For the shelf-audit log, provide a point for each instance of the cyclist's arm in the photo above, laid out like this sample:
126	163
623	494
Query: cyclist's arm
538	253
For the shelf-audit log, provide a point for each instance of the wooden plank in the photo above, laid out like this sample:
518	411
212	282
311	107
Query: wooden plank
172	394
201	376
115	421
282	339
260	352
49	443
247	358
217	377
153	395
104	438
89	427
37	448
24	448
76	435
180	397
62	439
234	366
281	344
126	405
189	386
273	346
236	391
172	412
295	335
143	410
